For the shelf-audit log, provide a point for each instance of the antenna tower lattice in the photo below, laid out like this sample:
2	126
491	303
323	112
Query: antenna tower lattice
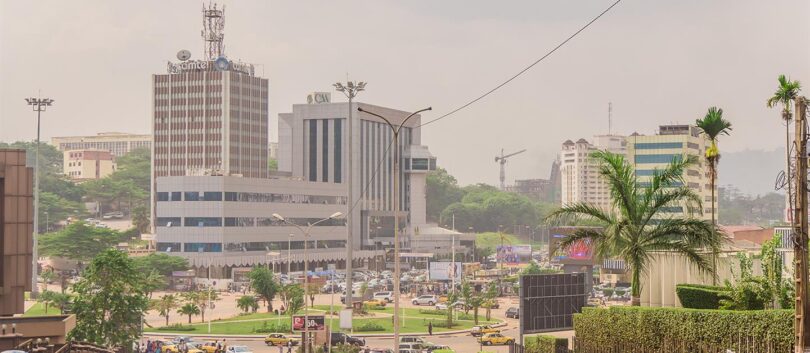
213	32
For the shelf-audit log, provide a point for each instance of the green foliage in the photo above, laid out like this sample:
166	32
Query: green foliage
293	297
640	225
485	208
442	191
273	327
78	241
165	305
750	292
779	288
272	164
247	303
201	298
545	344
176	328
739	208
647	328
697	296
263	283
154	281
785	93
161	263
607	292
140	218
369	326
189	309
532	269
110	301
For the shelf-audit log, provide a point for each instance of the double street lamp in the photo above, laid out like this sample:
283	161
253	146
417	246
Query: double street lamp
305	232
396	130
39	105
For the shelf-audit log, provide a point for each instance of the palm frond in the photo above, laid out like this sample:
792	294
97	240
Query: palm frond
713	124
579	210
621	181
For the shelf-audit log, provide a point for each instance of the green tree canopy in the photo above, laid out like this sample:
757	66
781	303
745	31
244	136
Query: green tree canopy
442	191
161	263
110	301
263	283
79	241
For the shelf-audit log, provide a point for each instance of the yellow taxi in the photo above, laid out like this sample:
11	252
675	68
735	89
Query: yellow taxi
208	347
280	339
171	347
491	339
478	331
375	302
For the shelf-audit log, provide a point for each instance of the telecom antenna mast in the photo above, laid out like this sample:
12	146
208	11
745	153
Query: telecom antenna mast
502	160
213	31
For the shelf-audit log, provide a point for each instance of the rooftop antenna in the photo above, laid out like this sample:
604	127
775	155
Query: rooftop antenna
610	117
213	31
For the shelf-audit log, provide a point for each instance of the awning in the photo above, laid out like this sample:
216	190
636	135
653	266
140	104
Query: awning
253	259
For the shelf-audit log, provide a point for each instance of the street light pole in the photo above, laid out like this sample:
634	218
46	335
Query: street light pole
39	105
305	232
289	259
350	90
395	131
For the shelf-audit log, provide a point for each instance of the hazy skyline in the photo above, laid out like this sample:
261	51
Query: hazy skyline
658	62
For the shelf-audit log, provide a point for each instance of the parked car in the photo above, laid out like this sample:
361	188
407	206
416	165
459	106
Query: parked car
239	349
513	313
386	296
481	330
413	345
415	339
436	348
441	306
380	350
280	339
429	300
342	338
491	339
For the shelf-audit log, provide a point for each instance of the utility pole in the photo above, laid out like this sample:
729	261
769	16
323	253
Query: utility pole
39	105
801	324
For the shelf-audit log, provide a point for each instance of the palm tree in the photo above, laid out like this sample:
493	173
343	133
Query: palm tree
785	94
638	225
713	125
188	309
164	305
247	303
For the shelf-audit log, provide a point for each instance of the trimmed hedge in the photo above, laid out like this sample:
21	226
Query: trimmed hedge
544	344
651	328
696	296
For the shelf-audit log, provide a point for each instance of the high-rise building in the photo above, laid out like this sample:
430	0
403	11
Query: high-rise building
16	229
117	143
650	152
80	165
579	173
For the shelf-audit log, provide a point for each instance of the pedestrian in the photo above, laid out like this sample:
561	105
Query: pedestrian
280	349
430	328
289	349
325	347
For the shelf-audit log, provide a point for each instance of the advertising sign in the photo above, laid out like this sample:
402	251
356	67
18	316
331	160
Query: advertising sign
579	253
314	323
514	254
445	271
346	319
549	302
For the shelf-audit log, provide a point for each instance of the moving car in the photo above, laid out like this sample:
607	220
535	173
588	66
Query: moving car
438	348
239	349
429	300
386	296
208	347
380	350
441	306
477	331
490	339
375	302
513	313
280	339
342	338
415	339
414	346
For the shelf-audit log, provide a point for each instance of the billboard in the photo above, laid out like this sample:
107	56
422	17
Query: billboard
514	254
445	271
314	323
579	253
549	302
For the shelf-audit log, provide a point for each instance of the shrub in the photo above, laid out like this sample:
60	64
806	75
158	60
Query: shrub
432	312
176	327
608	292
545	344
369	326
440	323
275	327
696	296
651	328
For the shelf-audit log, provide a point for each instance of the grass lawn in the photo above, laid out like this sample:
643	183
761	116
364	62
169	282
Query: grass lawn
491	240
39	310
264	315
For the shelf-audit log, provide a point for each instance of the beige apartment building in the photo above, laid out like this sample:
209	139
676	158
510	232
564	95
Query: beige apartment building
580	180
81	165
118	143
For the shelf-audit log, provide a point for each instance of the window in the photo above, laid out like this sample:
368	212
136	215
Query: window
191	196
168	247
212	196
202	222
677	209
420	164
693	145
313	150
338	150
202	247
163	196
168	221
657	158
645	172
658	145
240	222
230	196
325	152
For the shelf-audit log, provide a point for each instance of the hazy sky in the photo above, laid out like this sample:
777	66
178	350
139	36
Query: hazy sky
657	61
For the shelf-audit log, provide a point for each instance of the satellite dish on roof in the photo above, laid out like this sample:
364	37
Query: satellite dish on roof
183	55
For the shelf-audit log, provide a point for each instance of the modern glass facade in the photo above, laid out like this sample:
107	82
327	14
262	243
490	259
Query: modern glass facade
657	158
658	145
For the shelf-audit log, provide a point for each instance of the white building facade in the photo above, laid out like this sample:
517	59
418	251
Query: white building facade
580	180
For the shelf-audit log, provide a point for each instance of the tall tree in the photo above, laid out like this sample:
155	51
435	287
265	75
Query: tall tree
466	295
201	299
110	301
785	93
638	225
713	125
293	296
165	305
161	263
79	241
442	190
247	303
263	283
187	309
491	297
153	282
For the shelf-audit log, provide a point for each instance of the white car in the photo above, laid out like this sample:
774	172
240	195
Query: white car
239	349
441	306
429	300
387	296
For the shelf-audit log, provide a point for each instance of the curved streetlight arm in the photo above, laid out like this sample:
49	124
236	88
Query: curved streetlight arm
398	128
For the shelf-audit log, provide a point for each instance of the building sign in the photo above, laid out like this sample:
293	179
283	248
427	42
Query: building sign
319	97
514	254
445	271
314	323
176	68
220	64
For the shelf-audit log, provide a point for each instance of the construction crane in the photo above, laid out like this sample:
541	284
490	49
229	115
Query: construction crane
502	159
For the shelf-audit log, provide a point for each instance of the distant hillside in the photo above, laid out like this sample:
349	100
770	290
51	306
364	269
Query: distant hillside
752	172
